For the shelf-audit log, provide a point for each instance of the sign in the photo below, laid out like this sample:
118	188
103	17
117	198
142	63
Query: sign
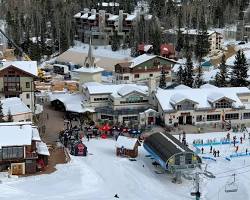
133	98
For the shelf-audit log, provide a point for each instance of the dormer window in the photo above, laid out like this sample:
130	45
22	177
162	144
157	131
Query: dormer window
223	104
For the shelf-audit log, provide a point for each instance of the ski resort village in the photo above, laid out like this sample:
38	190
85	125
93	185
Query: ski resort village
125	99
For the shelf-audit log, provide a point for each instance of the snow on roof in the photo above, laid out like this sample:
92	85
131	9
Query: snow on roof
27	66
42	148
129	89
15	134
113	89
215	96
77	15
126	142
90	70
85	85
92	17
35	134
113	18
182	87
207	85
141	59
199	95
147	47
130	17
85	16
176	145
15	105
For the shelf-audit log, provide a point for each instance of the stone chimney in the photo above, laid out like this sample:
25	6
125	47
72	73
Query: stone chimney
120	22
151	86
102	20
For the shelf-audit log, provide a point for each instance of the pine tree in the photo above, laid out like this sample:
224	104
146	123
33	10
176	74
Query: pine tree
155	35
180	75
9	117
202	44
189	71
222	75
239	70
1	112
180	39
115	42
199	79
162	79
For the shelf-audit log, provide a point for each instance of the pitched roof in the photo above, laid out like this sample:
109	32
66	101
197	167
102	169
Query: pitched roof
200	95
15	105
15	134
27	66
126	142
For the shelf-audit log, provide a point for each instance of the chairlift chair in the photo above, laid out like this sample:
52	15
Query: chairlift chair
231	186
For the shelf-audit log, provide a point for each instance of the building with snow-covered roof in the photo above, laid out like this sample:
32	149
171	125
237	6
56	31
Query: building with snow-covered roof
89	72
208	104
18	147
17	109
127	147
102	25
17	80
142	68
117	103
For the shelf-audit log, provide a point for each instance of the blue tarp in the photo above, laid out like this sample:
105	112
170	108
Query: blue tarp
214	143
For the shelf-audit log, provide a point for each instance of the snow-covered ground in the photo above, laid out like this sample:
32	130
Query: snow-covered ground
101	175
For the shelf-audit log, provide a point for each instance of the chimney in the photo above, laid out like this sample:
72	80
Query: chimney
151	86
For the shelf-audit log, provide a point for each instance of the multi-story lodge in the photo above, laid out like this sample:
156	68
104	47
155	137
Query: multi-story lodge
20	148
142	68
215	38
101	25
118	103
17	80
205	105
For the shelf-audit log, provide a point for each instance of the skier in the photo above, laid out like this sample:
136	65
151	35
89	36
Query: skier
211	148
218	153
237	148
241	140
202	150
88	136
246	151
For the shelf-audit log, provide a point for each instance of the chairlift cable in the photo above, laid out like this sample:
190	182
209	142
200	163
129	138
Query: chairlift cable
232	170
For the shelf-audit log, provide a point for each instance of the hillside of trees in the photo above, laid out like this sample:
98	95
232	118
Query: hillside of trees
53	19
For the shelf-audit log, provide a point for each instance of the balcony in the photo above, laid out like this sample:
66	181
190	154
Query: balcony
31	155
12	89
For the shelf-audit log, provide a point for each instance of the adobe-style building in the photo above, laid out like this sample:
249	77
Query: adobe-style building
142	68
17	80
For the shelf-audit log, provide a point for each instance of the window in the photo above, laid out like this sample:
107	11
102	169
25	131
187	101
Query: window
27	96
126	78
130	118
246	115
137	75
27	84
107	117
223	104
101	99
28	105
95	37
213	117
230	116
199	118
12	152
151	75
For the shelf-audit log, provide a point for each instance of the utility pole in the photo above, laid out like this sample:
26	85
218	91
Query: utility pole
197	193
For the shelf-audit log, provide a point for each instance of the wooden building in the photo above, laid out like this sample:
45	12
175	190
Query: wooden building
127	147
19	151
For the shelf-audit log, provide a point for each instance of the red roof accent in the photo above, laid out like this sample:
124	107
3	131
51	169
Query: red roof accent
167	49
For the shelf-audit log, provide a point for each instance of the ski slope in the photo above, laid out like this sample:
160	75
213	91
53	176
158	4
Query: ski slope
101	175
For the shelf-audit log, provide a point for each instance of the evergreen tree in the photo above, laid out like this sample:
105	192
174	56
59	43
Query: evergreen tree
239	70
202	44
115	42
180	75
180	39
1	112
199	79
162	78
189	81
222	75
155	36
9	117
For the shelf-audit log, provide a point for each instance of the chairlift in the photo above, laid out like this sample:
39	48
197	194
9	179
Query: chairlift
231	186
